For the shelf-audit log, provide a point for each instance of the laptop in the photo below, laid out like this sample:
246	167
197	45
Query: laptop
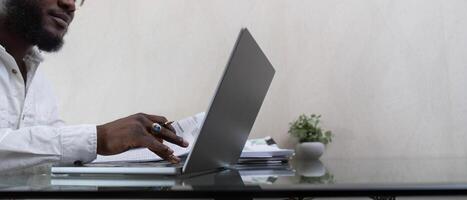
227	125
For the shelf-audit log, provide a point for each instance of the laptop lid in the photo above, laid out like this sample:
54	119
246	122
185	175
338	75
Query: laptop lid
233	109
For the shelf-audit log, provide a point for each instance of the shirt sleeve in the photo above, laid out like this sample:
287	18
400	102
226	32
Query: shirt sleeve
37	145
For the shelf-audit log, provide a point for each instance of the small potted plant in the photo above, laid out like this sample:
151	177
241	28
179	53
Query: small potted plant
312	138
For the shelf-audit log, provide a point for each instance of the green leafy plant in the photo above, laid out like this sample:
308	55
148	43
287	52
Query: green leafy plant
307	129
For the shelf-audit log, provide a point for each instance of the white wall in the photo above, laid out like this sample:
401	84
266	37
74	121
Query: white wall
387	75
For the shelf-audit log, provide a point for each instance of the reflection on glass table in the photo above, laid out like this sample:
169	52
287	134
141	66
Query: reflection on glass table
311	178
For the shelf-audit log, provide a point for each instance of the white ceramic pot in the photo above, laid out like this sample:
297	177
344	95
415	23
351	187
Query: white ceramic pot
309	150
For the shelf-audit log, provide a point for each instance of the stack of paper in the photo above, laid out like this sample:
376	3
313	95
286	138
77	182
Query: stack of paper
264	147
264	151
255	151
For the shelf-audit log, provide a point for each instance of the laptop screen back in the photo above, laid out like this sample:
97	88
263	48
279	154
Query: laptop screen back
233	109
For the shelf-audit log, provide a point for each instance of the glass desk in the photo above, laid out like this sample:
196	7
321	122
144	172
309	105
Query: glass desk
375	178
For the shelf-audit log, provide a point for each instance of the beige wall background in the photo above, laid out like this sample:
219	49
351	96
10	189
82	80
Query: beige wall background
388	76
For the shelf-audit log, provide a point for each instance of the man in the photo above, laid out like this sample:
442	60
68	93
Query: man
30	131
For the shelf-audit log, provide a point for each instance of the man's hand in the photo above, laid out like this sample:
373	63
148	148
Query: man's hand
135	132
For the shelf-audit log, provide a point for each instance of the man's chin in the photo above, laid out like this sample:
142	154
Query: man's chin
49	48
49	43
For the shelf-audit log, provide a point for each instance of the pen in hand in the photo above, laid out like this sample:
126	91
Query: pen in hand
168	123
167	126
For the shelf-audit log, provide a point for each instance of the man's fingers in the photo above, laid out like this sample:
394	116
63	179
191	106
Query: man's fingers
169	126
165	133
171	137
160	149
162	121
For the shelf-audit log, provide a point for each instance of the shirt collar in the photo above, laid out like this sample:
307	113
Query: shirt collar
33	55
32	60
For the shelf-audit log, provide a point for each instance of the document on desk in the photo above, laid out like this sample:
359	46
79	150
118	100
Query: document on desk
188	128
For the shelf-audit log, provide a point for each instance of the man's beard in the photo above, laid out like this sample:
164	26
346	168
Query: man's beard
24	17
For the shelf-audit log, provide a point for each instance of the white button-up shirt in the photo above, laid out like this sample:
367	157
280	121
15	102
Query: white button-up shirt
31	133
